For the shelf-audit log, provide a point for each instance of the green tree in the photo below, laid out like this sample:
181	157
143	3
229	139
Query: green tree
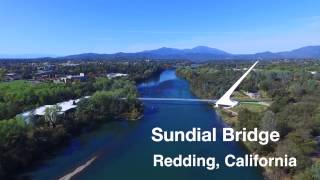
268	122
2	74
315	169
13	141
51	115
248	119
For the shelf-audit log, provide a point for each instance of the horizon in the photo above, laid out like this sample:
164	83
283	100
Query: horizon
63	28
21	56
33	55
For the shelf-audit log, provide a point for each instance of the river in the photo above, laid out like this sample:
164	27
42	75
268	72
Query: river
124	149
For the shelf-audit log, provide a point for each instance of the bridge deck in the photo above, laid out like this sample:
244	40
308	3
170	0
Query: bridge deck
177	99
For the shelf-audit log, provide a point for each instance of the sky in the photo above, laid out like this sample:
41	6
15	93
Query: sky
64	27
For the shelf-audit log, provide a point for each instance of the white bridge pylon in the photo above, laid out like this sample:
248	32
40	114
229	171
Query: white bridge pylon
225	100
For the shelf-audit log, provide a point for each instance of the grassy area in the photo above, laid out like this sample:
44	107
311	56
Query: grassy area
230	115
252	106
241	96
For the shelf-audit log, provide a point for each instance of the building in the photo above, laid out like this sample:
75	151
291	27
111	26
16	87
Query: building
43	75
253	95
70	64
12	76
115	75
66	106
313	72
71	78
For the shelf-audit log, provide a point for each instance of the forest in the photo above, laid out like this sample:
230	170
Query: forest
294	111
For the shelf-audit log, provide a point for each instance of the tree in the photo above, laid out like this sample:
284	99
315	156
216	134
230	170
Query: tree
300	145
13	141
315	169
248	119
312	173
2	74
51	114
268	122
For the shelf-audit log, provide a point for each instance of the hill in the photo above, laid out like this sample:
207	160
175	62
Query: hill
199	53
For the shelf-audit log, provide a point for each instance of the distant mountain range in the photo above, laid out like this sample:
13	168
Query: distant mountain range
199	53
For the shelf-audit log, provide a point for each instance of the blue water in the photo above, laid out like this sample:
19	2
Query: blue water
125	149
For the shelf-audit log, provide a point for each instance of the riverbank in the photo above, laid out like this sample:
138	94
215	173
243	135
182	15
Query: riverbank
231	120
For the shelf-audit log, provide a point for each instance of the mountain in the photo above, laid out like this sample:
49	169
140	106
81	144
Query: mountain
202	53
195	50
199	53
206	50
196	53
164	51
260	55
304	52
88	56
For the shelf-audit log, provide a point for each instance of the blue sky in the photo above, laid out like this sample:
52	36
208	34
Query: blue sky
61	27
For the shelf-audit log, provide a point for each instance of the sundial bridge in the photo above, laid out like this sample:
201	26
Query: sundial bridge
225	100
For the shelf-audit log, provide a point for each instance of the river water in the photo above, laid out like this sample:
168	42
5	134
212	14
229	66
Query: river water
124	149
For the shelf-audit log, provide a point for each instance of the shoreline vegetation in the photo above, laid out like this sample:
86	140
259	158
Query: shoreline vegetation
23	145
291	96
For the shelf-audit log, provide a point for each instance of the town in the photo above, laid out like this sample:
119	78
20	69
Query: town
56	72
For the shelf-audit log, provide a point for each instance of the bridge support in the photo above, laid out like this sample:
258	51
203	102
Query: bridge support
225	100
